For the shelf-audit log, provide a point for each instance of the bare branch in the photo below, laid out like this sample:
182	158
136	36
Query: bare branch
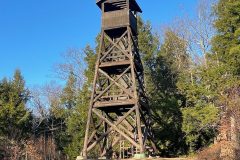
73	64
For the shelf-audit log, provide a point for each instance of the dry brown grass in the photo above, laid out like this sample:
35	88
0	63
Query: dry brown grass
211	153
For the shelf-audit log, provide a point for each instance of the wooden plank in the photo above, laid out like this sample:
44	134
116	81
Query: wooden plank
114	103
112	64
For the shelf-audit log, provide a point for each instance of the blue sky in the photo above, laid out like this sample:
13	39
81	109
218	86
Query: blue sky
34	33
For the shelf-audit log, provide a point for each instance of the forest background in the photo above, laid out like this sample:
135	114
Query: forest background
191	69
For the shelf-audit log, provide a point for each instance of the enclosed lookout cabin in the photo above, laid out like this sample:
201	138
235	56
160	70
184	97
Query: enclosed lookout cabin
119	13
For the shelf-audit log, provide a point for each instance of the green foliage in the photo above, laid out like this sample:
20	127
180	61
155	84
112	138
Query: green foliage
60	111
170	62
90	60
15	118
226	42
226	46
205	87
162	65
69	95
197	125
200	85
148	42
76	123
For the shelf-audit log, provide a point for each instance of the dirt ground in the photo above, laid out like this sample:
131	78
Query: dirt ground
166	159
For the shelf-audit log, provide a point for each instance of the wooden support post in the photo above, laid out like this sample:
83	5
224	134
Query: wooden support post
91	102
139	128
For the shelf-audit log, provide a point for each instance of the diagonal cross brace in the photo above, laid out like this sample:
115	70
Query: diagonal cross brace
122	127
95	131
114	45
108	87
110	123
119	85
110	129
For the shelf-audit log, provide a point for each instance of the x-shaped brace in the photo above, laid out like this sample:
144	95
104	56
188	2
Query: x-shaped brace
111	128
117	46
113	45
113	82
116	83
114	126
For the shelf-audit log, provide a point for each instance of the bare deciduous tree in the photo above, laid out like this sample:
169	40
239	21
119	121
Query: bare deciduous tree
45	103
73	64
198	32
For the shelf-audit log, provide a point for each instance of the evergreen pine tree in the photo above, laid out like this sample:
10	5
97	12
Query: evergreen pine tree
162	64
15	118
226	44
70	92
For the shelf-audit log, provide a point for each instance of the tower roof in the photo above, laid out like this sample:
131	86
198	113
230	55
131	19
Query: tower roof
133	4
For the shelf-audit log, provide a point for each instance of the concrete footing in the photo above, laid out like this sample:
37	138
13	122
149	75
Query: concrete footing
139	156
80	158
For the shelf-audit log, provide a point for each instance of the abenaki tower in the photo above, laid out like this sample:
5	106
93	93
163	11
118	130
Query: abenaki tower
119	117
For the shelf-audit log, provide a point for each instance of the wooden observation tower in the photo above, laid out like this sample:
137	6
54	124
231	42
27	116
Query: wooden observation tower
119	116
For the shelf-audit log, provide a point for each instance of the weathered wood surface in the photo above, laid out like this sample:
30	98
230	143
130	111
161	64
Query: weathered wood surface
119	18
118	97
